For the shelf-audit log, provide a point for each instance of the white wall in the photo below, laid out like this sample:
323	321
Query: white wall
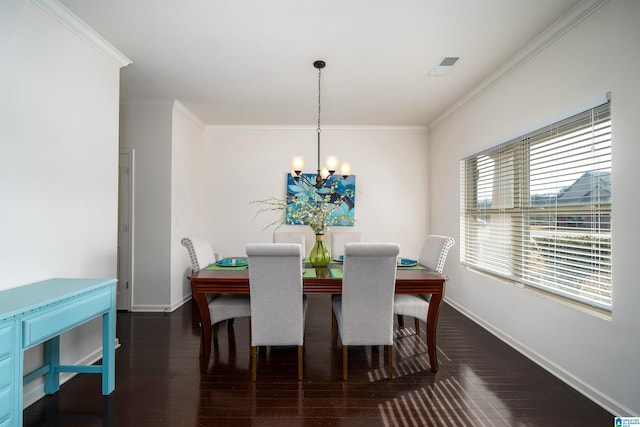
187	210
599	356
168	144
59	163
250	163
146	128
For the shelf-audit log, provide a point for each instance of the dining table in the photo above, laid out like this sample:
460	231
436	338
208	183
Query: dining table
217	279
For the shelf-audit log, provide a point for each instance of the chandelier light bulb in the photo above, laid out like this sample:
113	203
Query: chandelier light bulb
297	165
345	169
332	164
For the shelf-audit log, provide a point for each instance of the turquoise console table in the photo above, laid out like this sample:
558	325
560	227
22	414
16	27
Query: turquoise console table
39	313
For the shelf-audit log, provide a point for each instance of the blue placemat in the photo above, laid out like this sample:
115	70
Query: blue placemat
220	267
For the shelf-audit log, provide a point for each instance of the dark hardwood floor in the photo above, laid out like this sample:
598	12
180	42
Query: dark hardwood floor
481	382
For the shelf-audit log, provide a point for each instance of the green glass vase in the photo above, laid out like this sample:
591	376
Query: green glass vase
319	256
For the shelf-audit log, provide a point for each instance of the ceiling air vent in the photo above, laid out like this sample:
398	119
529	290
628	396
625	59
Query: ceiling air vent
445	65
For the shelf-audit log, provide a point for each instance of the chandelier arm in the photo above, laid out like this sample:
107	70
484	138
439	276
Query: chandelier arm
305	180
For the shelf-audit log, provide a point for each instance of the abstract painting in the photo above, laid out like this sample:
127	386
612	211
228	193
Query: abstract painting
337	188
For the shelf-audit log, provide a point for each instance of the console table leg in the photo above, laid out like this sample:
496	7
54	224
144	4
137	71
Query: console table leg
109	351
52	361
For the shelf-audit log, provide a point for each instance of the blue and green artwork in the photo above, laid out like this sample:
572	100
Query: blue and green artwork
336	200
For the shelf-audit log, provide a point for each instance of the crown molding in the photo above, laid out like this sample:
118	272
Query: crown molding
188	114
537	45
165	102
148	101
394	128
82	30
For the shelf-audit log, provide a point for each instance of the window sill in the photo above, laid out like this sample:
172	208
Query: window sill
576	305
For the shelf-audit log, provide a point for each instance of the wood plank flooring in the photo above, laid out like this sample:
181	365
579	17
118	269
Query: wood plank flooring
481	382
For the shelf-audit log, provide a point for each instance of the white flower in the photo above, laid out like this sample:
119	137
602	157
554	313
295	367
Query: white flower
319	210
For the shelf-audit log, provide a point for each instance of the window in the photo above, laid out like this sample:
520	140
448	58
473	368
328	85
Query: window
537	209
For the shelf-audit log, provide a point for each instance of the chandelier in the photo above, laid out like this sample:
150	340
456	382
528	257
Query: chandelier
322	174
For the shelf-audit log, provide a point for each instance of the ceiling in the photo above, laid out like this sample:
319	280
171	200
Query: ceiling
250	62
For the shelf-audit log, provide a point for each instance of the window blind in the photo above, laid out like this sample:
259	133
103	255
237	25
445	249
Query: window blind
537	209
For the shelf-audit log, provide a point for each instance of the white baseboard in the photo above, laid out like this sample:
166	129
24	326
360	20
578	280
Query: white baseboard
568	378
150	308
34	390
185	299
161	308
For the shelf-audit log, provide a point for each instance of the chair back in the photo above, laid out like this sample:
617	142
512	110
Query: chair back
368	286
434	252
275	283
291	237
200	252
340	238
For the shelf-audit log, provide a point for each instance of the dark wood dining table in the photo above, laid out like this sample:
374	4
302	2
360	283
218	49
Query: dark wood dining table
236	281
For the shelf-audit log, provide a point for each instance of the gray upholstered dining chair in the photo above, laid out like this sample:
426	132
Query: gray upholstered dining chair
433	255
200	252
278	306
340	238
363	314
291	237
221	307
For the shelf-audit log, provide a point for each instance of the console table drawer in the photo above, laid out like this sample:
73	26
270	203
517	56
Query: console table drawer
5	405
62	318
6	372
6	340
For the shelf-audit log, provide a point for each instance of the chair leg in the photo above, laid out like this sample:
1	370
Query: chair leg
345	362
334	330
215	330
390	361
300	352
417	326
254	360
400	321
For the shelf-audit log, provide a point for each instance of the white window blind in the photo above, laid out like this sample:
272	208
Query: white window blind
537	209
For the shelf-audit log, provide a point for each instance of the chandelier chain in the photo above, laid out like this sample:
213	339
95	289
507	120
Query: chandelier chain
319	104
318	130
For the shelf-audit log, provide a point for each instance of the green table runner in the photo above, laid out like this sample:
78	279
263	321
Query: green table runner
336	273
414	267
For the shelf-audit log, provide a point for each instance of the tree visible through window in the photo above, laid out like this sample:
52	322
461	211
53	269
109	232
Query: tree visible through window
537	209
